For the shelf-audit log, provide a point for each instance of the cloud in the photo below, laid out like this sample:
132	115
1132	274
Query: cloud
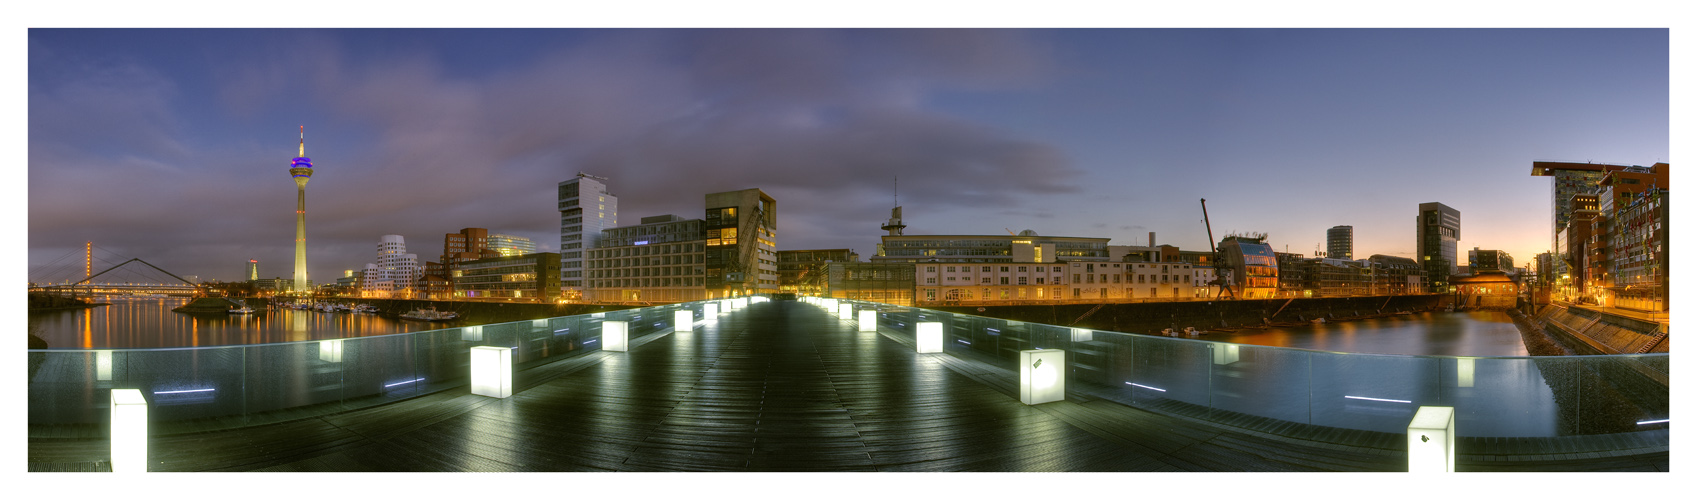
415	143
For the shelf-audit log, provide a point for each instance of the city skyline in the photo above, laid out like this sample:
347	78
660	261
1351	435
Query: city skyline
1087	133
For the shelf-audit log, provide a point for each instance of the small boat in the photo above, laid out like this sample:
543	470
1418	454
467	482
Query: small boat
242	310
1192	331
430	315
1318	321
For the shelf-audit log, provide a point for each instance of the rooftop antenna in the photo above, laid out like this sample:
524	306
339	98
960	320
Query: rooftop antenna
303	141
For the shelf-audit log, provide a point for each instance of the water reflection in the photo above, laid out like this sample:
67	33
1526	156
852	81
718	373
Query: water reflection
1477	333
149	323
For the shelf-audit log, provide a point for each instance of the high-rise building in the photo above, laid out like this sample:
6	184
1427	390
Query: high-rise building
1436	231
1492	261
1569	179
252	269
508	245
395	270
586	208
301	170
742	243
1340	242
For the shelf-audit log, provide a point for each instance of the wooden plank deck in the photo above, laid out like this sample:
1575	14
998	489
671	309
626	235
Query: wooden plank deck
781	386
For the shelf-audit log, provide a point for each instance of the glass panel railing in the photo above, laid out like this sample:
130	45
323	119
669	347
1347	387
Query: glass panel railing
1225	382
229	386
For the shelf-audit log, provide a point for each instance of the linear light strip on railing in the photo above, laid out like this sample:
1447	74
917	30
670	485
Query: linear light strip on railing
1147	387
1379	399
172	392
1648	422
406	382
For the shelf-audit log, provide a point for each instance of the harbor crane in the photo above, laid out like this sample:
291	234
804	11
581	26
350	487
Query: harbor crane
1220	278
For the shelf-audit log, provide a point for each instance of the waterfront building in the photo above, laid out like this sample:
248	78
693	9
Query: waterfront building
394	272
1005	282
1487	290
1201	270
471	243
508	245
1025	247
273	286
1250	266
301	170
1293	275
1480	261
252	269
531	277
1568	179
661	260
885	282
742	243
803	271
586	209
1396	275
1436	231
1633	245
1340	242
1339	278
1147	281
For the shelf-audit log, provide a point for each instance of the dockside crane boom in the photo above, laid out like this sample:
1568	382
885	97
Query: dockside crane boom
1219	277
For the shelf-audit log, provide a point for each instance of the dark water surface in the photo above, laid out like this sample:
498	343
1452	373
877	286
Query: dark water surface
1477	333
149	323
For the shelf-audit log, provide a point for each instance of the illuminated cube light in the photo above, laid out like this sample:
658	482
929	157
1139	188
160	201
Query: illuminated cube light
103	365
845	311
1464	372
129	431
683	321
615	336
1431	440
472	333
1225	354
1083	334
928	336
539	324
868	320
740	302
492	371
330	351
709	311
1041	376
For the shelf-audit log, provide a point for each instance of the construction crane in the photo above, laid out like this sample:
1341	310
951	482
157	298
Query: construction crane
1219	278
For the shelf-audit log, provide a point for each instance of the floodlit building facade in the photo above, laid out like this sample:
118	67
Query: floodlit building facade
742	243
1251	266
586	209
803	271
661	260
393	273
532	277
508	245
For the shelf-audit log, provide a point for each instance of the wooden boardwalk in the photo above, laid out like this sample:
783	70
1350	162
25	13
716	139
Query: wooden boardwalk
780	386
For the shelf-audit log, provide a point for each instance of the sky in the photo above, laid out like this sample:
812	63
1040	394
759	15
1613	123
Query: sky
173	145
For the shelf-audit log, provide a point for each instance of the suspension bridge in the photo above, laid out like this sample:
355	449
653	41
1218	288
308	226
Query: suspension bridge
116	275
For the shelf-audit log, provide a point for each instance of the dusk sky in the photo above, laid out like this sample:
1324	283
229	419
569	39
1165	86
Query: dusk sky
173	145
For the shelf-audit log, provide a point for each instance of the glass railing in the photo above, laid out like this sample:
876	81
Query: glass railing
230	386
1235	383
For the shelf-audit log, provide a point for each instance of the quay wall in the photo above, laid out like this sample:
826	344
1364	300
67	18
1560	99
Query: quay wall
1152	317
483	313
1585	331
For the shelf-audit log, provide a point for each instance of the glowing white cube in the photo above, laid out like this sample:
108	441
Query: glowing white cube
845	311
492	371
1083	334
1041	376
539	324
614	335
709	311
742	302
103	365
1225	354
330	351
928	336
129	431
828	304
1464	372
868	320
1431	440
472	333
683	321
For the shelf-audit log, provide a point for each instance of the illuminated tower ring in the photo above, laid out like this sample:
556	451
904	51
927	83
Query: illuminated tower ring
301	169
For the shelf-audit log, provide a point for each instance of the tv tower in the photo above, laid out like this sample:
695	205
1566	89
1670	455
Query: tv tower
301	170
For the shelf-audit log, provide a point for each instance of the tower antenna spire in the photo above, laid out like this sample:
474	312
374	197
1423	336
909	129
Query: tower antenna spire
898	190
303	140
